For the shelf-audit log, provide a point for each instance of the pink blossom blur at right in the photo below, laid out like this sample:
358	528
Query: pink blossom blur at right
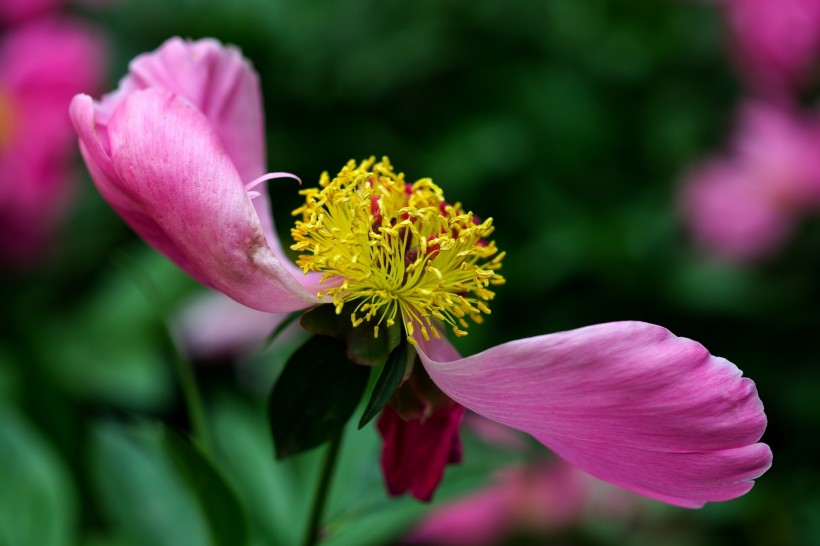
541	498
776	42
744	206
43	64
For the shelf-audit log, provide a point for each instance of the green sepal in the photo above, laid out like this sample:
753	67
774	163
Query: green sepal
219	503
389	380
362	347
314	396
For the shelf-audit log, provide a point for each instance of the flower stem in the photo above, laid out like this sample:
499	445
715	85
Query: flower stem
323	488
193	401
182	368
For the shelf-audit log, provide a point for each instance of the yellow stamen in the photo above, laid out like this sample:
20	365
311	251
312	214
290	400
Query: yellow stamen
400	249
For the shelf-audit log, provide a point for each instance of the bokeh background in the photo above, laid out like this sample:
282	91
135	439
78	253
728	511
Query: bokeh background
570	122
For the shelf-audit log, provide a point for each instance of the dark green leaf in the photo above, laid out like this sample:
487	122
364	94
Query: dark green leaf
386	385
315	396
219	503
324	321
362	347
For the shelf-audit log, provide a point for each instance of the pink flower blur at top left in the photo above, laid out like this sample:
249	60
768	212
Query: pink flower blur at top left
177	151
43	63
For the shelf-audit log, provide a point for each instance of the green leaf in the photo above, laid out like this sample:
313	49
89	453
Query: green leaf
362	347
141	490
219	503
37	499
315	396
387	383
276	494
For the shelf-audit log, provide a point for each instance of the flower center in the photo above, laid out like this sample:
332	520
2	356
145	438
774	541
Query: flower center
396	248
7	116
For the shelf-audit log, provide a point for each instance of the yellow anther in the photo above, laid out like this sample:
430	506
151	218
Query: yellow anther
396	252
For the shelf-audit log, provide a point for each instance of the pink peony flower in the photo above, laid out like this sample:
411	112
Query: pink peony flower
776	42
743	207
42	65
176	149
540	498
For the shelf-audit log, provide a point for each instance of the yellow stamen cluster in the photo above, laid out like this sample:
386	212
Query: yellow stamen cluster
394	247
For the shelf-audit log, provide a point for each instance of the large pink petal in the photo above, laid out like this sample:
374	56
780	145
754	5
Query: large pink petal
169	177
628	402
223	85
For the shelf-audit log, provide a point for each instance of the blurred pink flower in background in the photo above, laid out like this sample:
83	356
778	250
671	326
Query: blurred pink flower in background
212	327
776	42
43	63
541	498
743	206
16	11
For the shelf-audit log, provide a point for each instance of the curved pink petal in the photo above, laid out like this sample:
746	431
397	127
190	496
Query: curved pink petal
223	85
170	178
628	402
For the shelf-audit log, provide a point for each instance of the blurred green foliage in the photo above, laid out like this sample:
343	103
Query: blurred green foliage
567	121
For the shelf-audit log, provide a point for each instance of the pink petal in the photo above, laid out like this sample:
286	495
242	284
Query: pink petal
170	178
225	88
416	452
221	84
628	402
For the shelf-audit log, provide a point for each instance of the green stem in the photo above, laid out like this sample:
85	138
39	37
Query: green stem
322	490
182	368
193	401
